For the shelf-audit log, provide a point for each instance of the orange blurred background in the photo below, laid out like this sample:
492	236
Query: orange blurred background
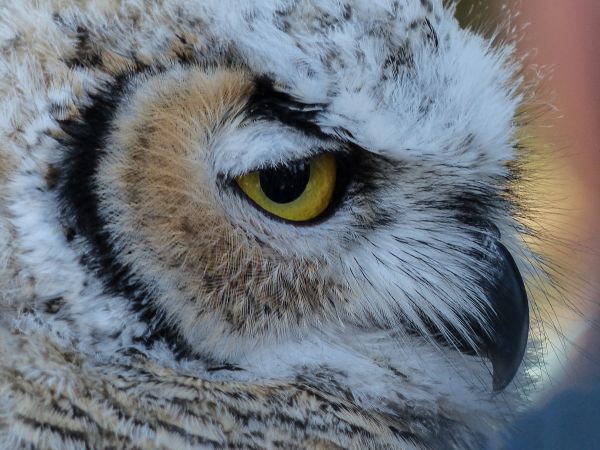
565	35
561	41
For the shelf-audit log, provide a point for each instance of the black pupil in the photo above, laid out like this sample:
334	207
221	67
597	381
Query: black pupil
285	184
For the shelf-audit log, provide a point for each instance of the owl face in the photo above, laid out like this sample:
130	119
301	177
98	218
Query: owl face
286	168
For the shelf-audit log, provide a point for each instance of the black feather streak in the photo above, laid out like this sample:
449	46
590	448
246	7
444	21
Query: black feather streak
85	145
270	104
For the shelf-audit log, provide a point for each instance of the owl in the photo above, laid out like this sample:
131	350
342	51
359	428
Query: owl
269	224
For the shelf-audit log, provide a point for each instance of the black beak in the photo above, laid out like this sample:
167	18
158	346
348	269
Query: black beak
503	340
505	345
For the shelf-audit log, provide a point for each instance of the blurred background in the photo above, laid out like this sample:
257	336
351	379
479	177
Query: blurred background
559	41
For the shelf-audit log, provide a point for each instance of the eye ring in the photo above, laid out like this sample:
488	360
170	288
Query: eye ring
298	192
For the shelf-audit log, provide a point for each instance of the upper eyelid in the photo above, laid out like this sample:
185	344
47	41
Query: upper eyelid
288	162
260	144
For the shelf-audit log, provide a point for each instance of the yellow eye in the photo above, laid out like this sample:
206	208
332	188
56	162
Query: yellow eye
298	192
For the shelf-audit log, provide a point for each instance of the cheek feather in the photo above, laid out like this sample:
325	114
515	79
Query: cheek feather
161	198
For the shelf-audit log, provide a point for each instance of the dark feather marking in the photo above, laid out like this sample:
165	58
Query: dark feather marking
76	437
73	411
431	34
228	367
268	103
80	204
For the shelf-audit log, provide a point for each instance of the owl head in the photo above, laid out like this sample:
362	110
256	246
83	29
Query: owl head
234	176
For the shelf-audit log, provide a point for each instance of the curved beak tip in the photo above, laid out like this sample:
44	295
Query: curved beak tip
510	325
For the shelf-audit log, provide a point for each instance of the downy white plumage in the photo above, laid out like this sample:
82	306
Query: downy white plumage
135	266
